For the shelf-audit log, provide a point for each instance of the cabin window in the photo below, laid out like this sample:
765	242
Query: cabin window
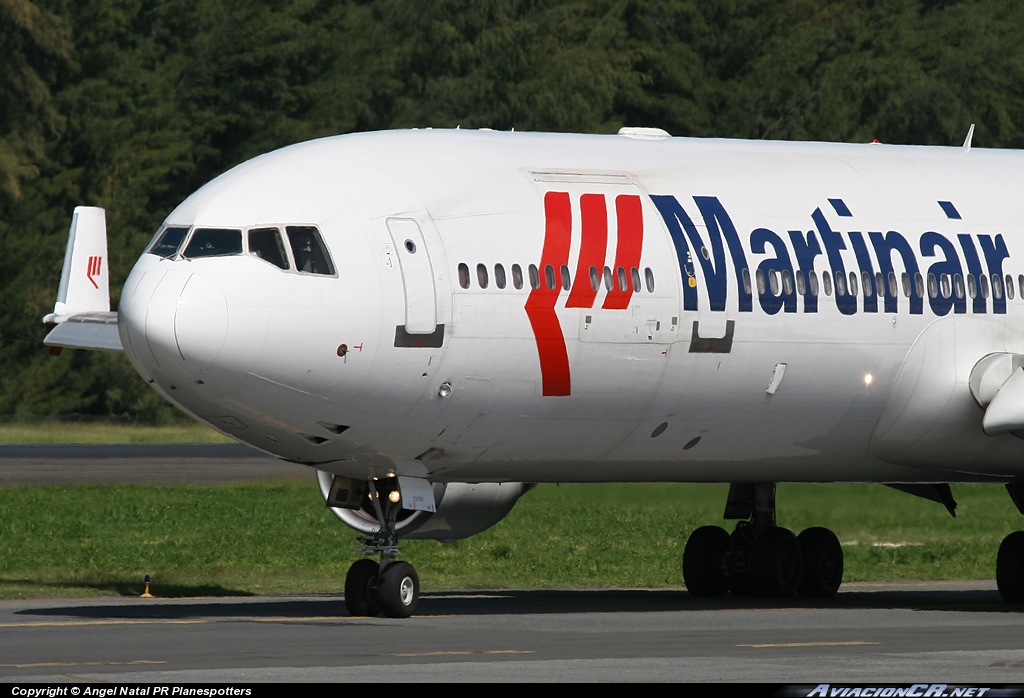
773	282
972	286
266	244
566	280
919	285
1009	287
801	285
499	276
635	276
463	275
595	279
826	282
983	283
609	283
481	275
622	279
517	276
812	278
213	242
945	286
958	285
933	286
906	285
649	277
549	276
853	283
1020	283
997	286
759	277
308	250
894	289
746	280
869	289
840	282
168	242
534	277
787	282
880	283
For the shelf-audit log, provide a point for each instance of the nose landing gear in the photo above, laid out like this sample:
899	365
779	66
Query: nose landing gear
391	586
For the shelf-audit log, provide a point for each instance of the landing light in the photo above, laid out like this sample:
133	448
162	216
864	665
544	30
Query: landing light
868	378
394	496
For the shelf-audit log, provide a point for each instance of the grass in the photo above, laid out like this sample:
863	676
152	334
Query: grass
278	538
105	432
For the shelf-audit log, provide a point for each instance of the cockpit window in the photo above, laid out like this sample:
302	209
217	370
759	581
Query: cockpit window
309	251
168	242
213	242
266	244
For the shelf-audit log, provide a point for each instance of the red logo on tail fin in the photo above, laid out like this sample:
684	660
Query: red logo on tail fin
95	266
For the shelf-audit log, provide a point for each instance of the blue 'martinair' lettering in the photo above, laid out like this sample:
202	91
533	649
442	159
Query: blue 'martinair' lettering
956	280
717	223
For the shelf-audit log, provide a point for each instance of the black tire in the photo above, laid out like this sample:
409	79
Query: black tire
361	588
703	569
776	565
399	590
823	563
1010	568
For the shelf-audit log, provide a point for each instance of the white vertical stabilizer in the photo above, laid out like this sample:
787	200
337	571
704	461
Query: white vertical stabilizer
85	280
82	311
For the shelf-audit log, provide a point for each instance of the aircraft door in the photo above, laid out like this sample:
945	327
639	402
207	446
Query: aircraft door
417	276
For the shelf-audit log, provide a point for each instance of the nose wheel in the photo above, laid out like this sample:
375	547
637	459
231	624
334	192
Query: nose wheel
395	591
390	587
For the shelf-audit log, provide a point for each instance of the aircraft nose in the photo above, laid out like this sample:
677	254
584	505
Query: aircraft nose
173	322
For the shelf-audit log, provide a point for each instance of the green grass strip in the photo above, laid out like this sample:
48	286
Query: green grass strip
278	538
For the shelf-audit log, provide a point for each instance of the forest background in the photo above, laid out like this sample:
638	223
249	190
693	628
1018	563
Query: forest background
133	104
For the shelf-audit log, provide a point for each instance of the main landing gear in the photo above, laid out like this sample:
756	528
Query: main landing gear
1010	560
390	587
760	558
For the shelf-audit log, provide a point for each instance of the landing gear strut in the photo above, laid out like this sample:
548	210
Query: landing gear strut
759	558
390	586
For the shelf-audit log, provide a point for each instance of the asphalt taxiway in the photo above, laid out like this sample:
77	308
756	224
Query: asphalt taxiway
909	632
906	632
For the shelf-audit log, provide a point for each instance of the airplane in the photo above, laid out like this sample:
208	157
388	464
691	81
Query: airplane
435	320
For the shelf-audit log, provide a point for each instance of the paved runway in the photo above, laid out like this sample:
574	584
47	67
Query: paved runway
912	632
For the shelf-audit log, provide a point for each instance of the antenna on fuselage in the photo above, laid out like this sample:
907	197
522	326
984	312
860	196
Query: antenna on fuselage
967	141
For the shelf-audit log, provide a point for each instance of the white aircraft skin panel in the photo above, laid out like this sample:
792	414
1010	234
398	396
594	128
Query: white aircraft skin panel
477	201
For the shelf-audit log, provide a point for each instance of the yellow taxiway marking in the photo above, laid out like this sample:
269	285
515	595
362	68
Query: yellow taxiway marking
73	623
306	619
812	644
453	652
53	664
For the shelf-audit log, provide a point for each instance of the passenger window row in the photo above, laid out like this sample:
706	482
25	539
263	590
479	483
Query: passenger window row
622	279
946	285
308	252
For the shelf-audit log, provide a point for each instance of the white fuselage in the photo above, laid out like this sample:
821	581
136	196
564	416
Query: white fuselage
720	358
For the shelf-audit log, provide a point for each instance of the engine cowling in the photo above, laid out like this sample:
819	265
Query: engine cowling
463	509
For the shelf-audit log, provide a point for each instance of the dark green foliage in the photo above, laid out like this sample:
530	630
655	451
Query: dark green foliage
133	104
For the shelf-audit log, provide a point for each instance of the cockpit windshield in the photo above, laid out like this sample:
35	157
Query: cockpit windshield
308	249
309	254
266	244
168	242
213	242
